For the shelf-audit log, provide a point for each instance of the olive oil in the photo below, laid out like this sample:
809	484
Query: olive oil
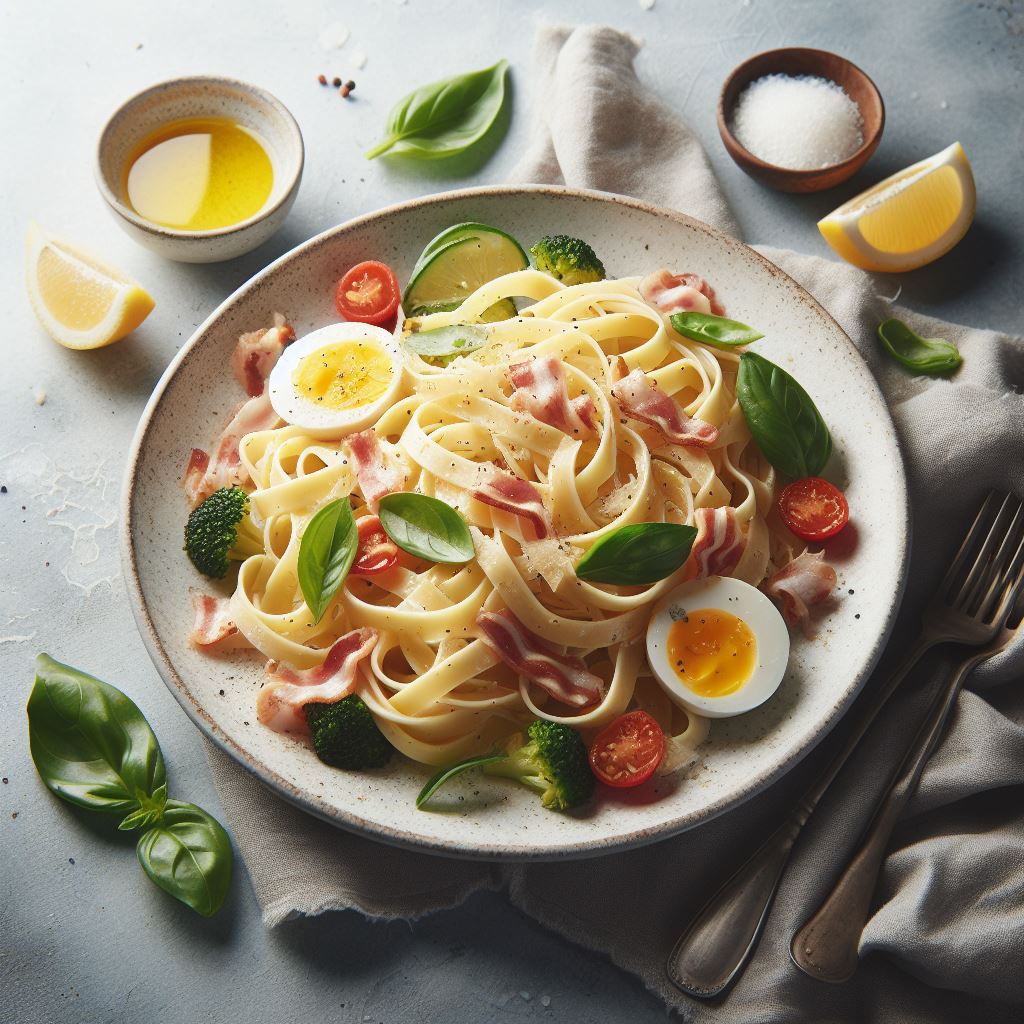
199	174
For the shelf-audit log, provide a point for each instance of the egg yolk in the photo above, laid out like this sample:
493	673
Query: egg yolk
345	375
712	651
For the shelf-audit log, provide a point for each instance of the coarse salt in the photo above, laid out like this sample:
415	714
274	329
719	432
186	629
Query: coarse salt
802	122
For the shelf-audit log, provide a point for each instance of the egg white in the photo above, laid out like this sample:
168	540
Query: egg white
319	420
746	603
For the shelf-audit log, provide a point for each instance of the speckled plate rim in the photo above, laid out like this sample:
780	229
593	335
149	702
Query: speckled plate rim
396	836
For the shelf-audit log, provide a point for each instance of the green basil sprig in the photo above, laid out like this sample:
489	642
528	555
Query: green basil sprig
426	527
634	555
436	781
932	356
445	118
93	747
717	331
89	742
326	553
188	854
447	341
782	417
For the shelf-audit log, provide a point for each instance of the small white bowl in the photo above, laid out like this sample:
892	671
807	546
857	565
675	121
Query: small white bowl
203	96
743	601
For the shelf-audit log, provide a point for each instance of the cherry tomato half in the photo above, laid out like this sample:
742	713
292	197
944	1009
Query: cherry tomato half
368	293
628	751
377	552
813	508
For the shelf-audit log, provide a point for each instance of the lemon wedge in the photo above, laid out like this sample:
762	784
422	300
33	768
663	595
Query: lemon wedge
82	302
908	220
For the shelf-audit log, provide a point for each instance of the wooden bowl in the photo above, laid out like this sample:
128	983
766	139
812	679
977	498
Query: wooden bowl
798	60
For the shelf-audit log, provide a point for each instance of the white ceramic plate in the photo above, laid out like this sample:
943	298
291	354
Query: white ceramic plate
488	818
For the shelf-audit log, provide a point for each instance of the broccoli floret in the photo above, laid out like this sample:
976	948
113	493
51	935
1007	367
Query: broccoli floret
345	734
571	260
554	762
220	531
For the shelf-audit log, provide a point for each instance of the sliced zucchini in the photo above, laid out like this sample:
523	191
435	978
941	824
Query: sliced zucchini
457	267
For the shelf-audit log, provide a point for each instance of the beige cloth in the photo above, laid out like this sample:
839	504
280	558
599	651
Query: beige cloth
946	936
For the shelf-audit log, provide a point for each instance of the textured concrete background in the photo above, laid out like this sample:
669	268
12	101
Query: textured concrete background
83	935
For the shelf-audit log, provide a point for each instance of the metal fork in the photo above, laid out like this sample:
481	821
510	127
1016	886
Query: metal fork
825	946
718	943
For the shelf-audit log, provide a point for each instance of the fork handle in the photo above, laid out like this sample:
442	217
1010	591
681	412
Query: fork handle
716	946
825	947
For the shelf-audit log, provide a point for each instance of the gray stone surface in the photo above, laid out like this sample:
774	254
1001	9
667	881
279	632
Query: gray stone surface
83	935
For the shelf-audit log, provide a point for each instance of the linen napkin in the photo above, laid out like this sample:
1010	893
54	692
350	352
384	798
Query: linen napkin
947	936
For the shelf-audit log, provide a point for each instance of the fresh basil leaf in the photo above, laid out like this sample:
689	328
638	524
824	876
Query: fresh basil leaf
188	854
149	812
326	553
435	782
90	743
782	417
718	331
426	527
447	341
447	117
932	356
641	553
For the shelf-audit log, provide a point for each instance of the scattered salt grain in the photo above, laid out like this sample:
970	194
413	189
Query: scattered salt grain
40	397
647	5
358	60
800	122
334	35
545	1001
944	105
525	996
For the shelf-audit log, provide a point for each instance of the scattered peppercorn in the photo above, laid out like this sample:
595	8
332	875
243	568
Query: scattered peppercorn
344	90
350	85
322	79
336	82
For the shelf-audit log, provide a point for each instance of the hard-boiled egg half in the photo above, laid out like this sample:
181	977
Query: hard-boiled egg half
337	380
718	646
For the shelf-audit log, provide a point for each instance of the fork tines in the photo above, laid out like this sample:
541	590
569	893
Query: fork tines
989	564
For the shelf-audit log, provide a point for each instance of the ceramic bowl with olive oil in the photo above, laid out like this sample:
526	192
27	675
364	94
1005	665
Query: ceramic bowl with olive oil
200	169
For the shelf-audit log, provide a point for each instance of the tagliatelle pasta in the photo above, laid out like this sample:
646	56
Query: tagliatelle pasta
466	432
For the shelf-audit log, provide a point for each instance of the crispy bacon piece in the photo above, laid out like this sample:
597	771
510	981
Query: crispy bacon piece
519	497
195	471
213	620
224	468
280	700
799	585
719	543
679	293
541	391
257	352
640	399
564	676
376	477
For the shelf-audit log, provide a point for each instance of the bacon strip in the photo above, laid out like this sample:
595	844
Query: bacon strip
541	391
213	620
376	477
195	471
640	399
224	468
519	497
719	543
564	676
679	293
799	585
280	700
257	352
